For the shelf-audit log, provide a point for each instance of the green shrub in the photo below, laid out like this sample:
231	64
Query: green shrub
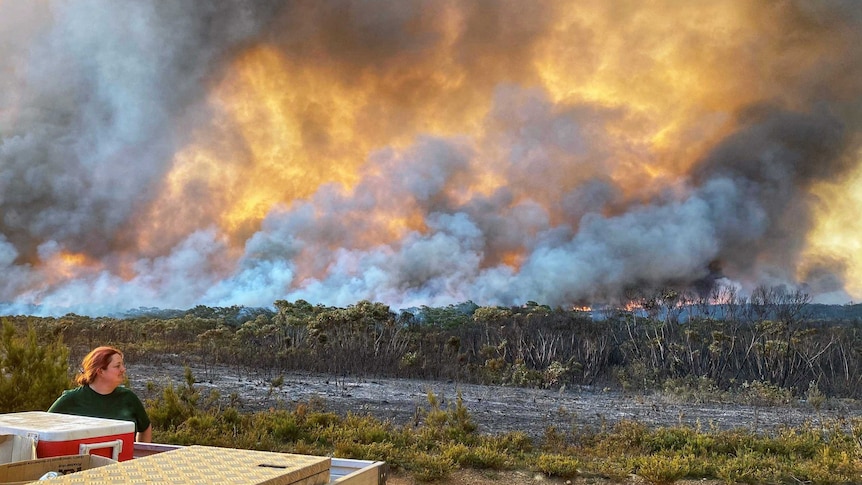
459	417
514	442
553	440
695	389
616	468
523	376
558	465
662	439
361	429
409	360
231	416
170	410
814	397
484	456
627	435
33	374
747	467
457	452
366	451
804	442
428	467
661	469
554	375
287	429
829	467
452	423
302	448
322	420
759	393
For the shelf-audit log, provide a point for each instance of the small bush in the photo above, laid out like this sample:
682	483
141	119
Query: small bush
514	442
746	467
661	469
33	374
169	410
553	440
457	452
626	435
678	438
366	451
303	448
362	429
428	467
322	420
814	397
558	465
827	468
286	429
758	393
694	389
484	457
523	376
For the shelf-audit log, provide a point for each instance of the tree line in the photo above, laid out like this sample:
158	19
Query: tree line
665	338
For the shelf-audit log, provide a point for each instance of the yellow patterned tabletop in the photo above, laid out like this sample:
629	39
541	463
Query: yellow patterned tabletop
209	465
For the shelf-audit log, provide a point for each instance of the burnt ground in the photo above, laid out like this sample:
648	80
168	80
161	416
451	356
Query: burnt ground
494	409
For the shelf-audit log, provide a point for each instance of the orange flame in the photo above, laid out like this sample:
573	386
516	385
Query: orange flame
632	306
838	231
513	259
64	265
284	126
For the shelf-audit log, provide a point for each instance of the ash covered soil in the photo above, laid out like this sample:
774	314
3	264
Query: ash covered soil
495	409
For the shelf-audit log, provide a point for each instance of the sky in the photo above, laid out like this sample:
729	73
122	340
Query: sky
174	154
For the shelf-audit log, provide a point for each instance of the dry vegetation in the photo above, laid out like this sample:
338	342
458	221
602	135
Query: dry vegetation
761	354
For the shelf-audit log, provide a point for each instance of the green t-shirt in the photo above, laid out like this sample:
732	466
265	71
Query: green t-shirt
121	404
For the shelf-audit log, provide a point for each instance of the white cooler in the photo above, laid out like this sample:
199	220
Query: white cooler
65	434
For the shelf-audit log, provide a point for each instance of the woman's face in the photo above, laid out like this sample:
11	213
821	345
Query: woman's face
115	373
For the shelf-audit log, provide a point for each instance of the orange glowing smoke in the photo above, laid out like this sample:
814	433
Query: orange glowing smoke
674	100
282	129
65	265
277	136
665	82
838	232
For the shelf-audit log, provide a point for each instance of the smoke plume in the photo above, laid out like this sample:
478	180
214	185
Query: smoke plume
424	152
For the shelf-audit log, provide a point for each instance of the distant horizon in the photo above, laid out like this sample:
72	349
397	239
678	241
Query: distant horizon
595	311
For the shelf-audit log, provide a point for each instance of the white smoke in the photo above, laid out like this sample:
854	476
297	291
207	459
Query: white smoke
98	97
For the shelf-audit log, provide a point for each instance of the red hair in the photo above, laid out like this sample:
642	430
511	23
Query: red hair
98	358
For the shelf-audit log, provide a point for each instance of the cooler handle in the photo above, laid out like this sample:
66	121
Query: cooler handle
117	445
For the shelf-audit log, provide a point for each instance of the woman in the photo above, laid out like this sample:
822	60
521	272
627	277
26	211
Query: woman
100	395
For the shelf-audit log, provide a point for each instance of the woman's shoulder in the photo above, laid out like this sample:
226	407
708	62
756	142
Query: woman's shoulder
80	392
73	391
69	397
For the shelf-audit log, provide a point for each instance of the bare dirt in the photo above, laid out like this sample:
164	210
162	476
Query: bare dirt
495	409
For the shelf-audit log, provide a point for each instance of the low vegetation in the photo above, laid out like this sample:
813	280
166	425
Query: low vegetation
764	350
441	440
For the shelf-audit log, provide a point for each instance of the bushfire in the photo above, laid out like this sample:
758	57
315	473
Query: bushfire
425	153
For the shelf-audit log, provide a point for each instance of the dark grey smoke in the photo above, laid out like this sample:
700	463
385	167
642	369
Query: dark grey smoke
100	93
772	159
98	97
